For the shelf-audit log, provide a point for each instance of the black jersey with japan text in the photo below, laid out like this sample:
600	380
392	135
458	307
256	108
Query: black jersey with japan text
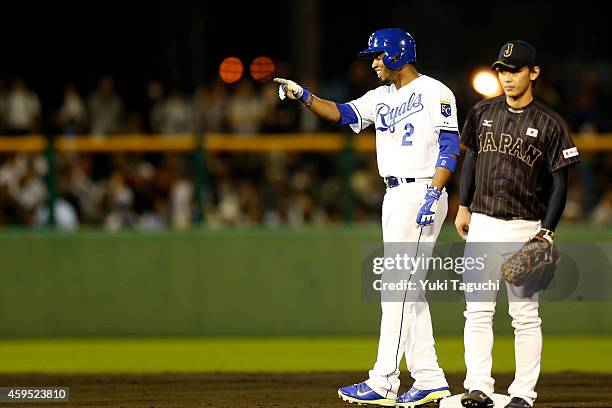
517	150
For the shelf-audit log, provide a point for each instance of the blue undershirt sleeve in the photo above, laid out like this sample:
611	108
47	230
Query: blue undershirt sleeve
347	114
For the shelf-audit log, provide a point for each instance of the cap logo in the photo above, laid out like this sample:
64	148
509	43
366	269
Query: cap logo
508	51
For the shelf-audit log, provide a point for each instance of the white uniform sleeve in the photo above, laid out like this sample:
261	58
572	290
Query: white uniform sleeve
364	109
443	108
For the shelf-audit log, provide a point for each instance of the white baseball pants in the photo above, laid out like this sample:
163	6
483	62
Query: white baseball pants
405	327
478	333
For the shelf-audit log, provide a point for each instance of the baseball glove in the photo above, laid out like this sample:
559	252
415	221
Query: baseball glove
533	266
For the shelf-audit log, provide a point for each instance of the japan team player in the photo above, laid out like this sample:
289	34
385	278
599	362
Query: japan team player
417	146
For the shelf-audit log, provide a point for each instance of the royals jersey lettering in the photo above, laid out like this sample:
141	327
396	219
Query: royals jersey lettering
517	150
407	122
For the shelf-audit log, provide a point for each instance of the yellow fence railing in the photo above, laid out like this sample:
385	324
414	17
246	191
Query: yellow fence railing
342	143
299	142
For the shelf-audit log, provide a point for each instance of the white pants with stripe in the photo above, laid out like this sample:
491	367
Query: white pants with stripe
405	327
478	333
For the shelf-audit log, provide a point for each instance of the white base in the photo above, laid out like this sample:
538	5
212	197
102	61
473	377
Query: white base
454	401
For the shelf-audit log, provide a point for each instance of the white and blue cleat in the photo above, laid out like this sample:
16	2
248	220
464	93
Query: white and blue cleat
415	397
361	394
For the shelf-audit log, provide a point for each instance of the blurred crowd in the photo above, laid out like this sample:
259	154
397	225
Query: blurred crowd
155	191
245	108
158	191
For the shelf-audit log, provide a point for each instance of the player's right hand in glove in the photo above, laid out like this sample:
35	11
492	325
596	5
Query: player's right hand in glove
289	89
533	266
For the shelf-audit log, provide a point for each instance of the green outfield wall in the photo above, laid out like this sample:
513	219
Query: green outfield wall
225	282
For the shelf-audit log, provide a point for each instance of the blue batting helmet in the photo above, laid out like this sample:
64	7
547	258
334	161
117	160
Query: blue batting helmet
397	45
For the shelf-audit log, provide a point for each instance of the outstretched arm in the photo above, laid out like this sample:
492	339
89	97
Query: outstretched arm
323	108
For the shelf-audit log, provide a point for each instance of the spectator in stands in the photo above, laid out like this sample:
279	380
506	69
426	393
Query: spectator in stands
72	115
156	217
368	191
228	206
303	210
250	203
173	182
30	191
22	109
586	120
303	207
88	193
602	213
181	200
11	171
209	107
154	93
245	111
119	199
174	114
105	108
65	215
573	207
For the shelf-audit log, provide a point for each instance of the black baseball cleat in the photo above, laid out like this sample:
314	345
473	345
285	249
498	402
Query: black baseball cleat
476	399
517	402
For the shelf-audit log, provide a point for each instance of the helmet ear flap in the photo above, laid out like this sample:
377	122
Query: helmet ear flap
396	57
393	61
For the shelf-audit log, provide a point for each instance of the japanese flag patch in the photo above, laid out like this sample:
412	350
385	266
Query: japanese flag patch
571	152
532	132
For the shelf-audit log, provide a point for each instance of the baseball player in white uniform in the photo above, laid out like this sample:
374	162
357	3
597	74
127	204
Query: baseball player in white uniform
417	145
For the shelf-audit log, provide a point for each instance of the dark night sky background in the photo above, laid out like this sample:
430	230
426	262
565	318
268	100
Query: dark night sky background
50	44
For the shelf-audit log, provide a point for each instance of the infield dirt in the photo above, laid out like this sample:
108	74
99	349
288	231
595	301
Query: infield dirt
293	390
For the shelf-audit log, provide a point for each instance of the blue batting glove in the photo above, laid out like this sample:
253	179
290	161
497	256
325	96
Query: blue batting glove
428	207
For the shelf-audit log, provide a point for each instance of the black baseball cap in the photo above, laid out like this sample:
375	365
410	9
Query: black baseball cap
516	55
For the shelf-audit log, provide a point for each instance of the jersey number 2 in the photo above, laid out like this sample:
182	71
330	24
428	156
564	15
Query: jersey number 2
409	131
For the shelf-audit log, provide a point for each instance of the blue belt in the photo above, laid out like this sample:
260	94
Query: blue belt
391	181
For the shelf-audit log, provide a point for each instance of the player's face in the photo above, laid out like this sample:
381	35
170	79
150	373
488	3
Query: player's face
515	82
383	73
